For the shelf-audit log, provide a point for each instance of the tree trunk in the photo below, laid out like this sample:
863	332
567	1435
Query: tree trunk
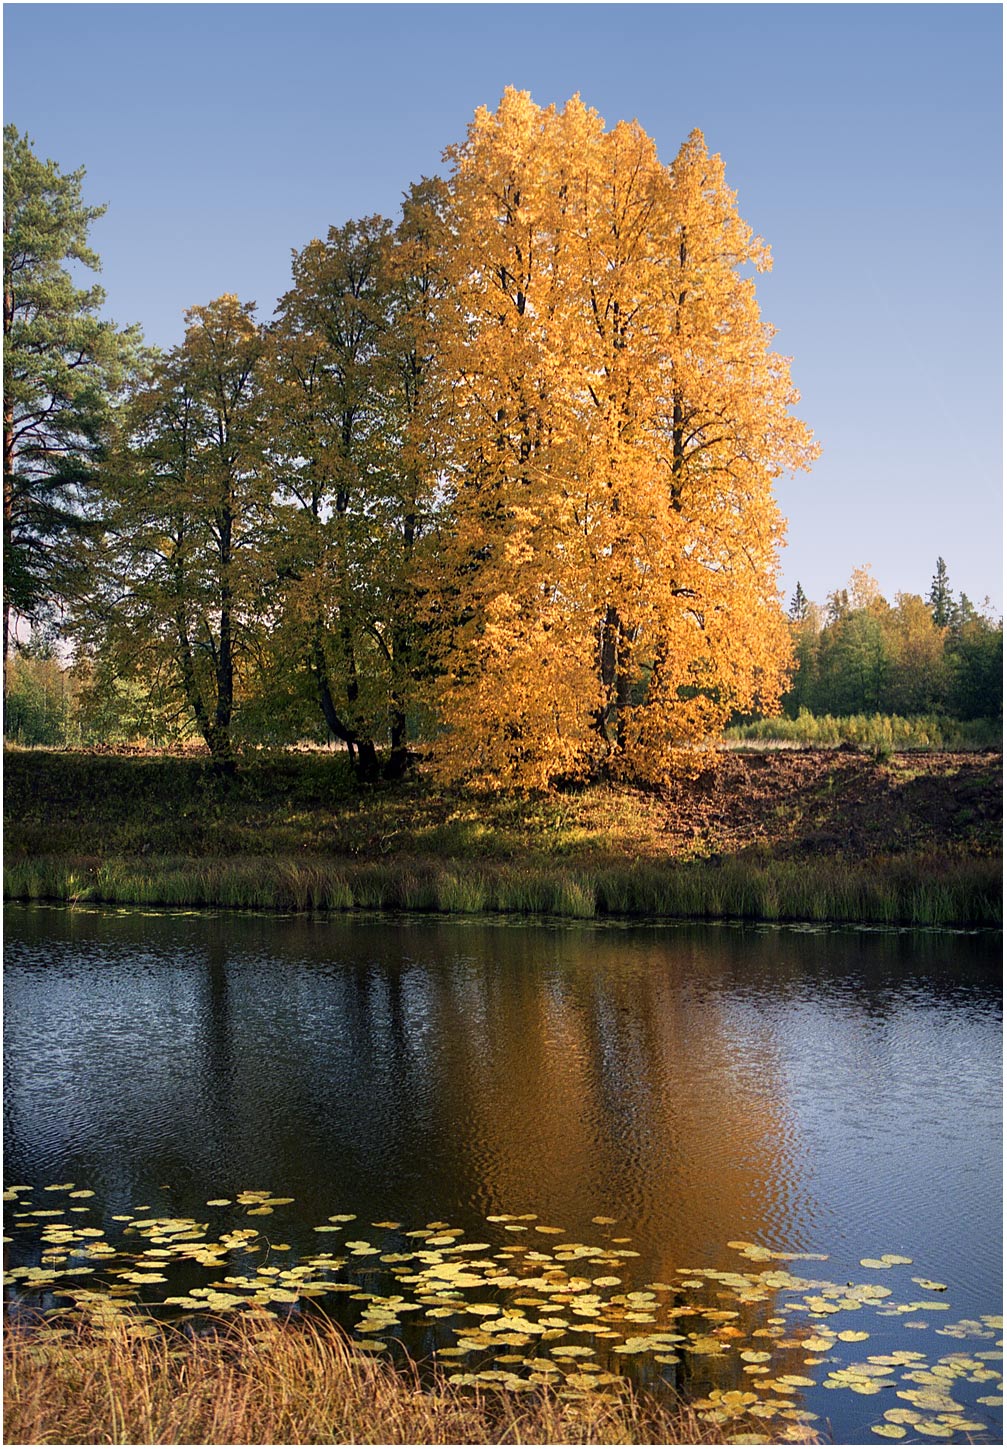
363	756
398	760
367	761
607	646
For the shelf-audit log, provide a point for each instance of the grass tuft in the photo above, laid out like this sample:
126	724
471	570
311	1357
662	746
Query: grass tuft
262	1381
881	733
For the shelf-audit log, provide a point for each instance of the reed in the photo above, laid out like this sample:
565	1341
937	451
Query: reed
267	1382
932	889
882	732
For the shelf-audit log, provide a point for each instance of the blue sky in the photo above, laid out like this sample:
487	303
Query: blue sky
864	142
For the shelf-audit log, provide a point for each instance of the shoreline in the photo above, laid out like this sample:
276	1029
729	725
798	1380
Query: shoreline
916	891
265	1380
812	836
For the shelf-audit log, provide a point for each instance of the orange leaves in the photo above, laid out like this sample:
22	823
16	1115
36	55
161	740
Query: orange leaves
617	422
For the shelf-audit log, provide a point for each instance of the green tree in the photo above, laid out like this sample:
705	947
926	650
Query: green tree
179	597
800	605
326	400
975	661
352	446
62	364
854	649
941	598
805	633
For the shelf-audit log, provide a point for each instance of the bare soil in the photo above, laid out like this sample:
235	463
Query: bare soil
810	801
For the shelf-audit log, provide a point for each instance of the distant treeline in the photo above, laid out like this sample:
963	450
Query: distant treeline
916	674
860	655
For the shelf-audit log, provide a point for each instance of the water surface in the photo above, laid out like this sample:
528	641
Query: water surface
827	1091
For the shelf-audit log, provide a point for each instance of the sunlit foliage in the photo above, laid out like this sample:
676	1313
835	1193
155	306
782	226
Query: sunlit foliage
619	420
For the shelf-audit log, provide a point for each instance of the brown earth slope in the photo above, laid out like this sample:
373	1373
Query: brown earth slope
760	802
811	801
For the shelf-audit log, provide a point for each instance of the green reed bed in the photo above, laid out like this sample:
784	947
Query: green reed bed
928	890
885	732
263	1381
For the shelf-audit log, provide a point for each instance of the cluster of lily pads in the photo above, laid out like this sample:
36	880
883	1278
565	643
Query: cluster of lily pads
524	1308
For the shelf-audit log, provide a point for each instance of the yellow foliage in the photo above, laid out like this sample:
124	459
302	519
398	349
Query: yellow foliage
616	425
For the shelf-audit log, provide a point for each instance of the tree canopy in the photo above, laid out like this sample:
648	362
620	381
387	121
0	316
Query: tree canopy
62	363
861	655
498	474
618	421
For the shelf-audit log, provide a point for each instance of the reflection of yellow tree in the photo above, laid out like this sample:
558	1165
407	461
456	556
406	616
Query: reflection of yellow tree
626	1095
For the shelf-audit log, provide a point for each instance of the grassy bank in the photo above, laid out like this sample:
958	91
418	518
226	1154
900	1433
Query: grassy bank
812	835
263	1382
903	890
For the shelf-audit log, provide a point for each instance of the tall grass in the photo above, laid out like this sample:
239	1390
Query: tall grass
265	1382
873	731
933	889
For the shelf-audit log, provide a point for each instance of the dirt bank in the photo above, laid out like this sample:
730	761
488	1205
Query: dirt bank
778	803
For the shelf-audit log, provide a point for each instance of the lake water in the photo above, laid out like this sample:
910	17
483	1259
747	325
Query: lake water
833	1092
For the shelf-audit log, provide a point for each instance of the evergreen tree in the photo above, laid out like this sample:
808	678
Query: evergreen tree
800	607
61	365
940	598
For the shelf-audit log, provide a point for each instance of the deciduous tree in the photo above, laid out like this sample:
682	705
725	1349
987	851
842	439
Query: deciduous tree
352	443
619	420
179	597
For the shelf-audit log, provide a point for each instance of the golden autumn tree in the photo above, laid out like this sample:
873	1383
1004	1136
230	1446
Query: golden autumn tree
518	681
619	419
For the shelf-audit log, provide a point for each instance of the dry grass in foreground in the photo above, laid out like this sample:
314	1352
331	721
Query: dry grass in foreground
262	1382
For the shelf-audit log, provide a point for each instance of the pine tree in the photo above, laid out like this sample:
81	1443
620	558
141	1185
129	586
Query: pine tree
61	365
799	605
941	599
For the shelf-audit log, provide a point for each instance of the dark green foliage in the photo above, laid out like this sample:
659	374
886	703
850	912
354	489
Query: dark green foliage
940	597
61	365
976	656
800	605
